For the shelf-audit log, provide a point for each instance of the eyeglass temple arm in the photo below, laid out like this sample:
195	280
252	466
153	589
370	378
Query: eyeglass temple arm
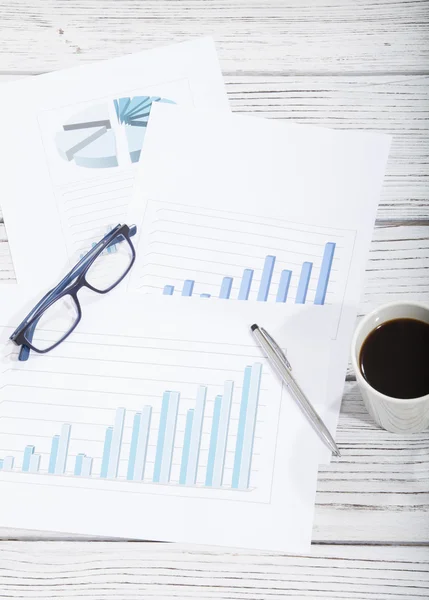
62	285
24	351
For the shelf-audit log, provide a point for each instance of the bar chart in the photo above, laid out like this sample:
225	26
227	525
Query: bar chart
281	294
193	470
217	255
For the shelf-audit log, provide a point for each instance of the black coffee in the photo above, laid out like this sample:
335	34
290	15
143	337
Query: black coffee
394	358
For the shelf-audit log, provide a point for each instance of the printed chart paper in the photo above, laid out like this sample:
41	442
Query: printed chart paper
235	209
176	416
72	140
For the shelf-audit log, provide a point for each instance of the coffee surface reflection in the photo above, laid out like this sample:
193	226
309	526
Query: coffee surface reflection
394	358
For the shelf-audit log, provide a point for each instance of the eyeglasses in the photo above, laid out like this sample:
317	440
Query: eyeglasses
58	313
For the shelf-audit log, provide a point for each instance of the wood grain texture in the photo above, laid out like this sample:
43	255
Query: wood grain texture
396	105
379	490
398	265
361	64
121	571
7	272
292	36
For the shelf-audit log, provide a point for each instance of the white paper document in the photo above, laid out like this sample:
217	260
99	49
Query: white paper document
72	140
234	209
161	425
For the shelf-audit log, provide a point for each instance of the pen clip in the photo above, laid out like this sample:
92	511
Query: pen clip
276	347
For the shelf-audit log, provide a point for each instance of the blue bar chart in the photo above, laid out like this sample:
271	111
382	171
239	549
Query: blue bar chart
279	291
126	441
217	255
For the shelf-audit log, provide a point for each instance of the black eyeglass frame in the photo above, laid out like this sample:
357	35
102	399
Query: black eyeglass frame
70	286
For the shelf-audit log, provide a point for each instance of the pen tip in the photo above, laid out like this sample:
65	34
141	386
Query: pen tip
337	453
253	327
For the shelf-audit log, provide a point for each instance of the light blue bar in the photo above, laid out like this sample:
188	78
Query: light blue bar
325	271
115	447
283	286
34	464
168	290
161	436
205	295
188	287
245	285
197	429
142	443
1	464
54	453
78	464
222	436
133	447
249	431
186	447
241	427
213	441
170	434
8	463
63	448
86	467
267	273
106	452
225	288
304	280
29	450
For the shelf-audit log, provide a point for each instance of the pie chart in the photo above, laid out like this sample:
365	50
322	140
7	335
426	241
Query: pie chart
88	138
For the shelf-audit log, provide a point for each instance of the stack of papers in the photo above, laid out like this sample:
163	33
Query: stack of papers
159	417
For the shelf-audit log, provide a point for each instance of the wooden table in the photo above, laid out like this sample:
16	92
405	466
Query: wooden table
360	64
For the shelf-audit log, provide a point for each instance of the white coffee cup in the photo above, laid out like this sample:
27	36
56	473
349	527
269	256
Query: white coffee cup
408	415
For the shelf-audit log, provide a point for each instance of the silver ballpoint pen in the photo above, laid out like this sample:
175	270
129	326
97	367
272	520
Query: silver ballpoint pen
282	366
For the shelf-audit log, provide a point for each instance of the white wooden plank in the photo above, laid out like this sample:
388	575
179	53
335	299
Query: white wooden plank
397	105
7	273
398	266
379	489
274	35
138	570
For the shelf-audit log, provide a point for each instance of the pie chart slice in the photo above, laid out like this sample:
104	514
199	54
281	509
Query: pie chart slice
139	116
88	137
135	137
71	141
142	123
94	116
99	154
137	104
